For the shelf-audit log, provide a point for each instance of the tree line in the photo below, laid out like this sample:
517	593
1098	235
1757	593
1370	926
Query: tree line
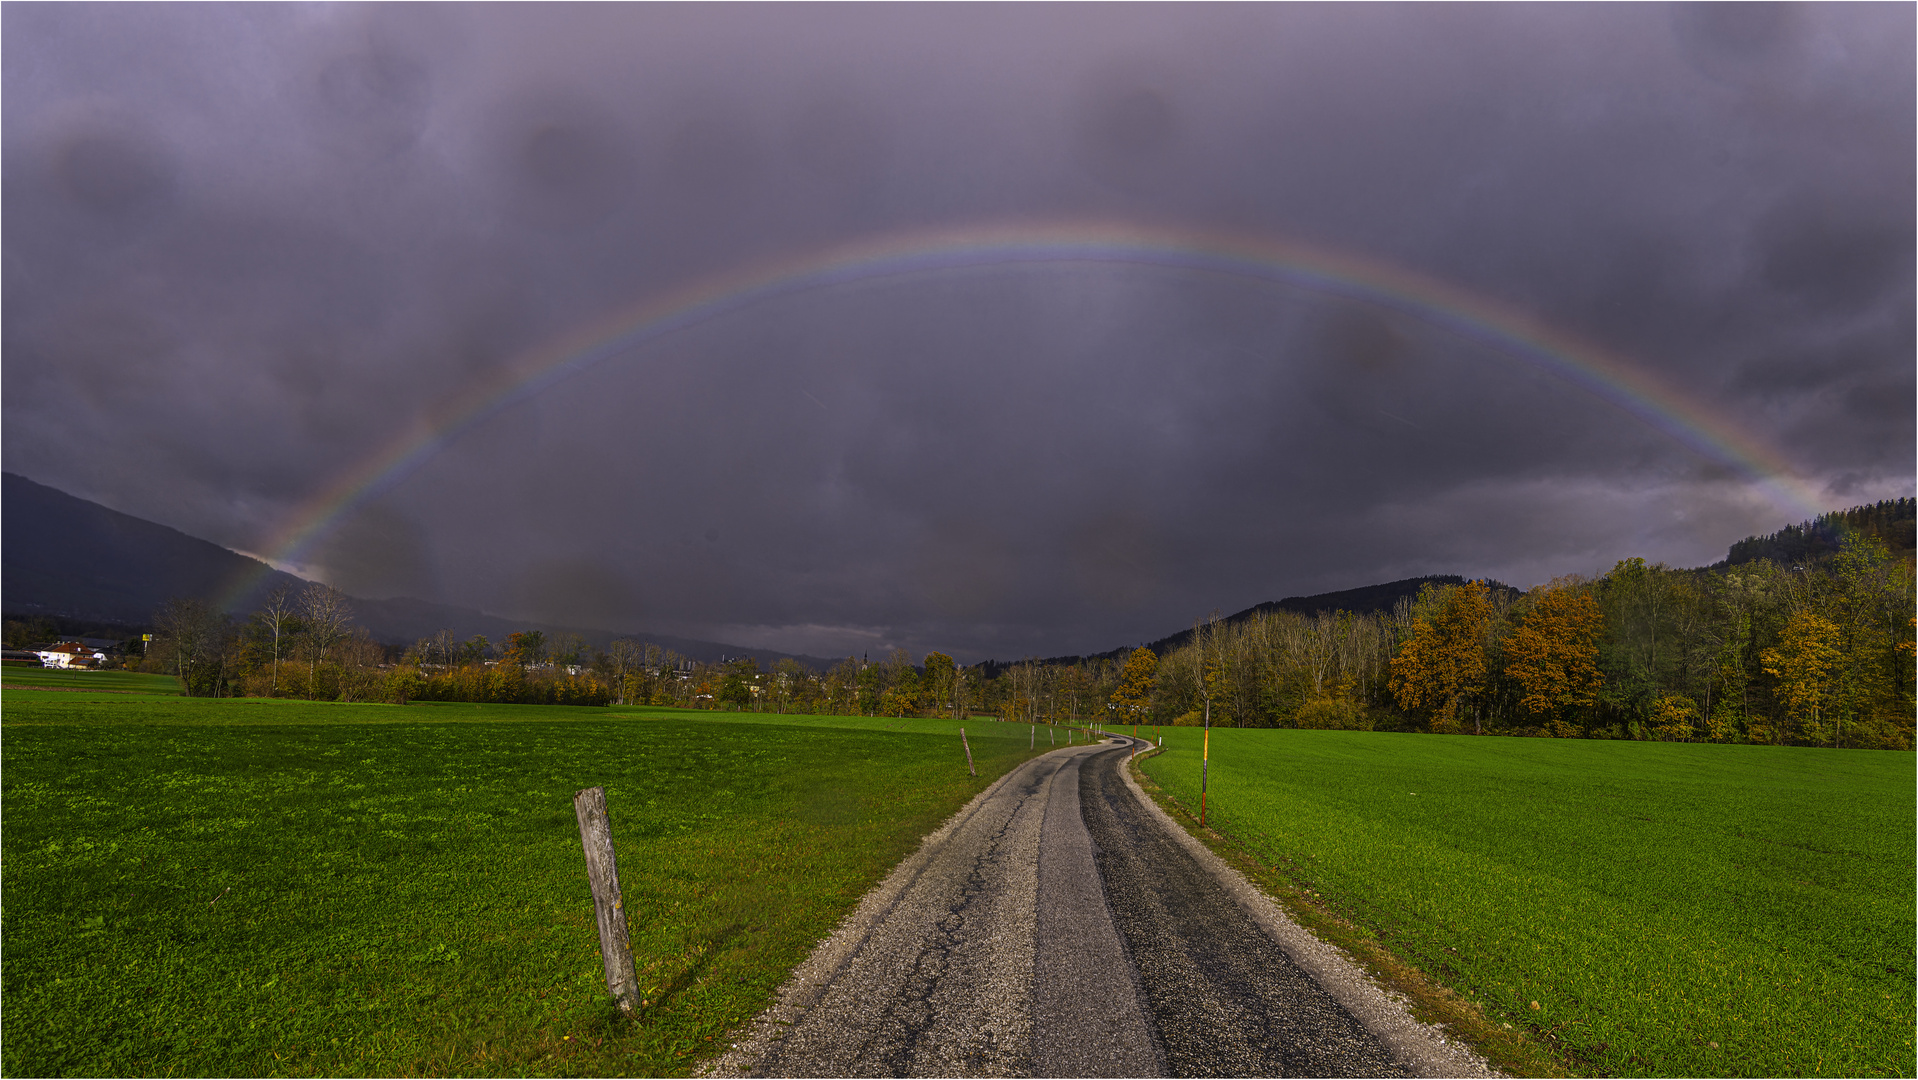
1757	652
1817	652
304	644
1754	649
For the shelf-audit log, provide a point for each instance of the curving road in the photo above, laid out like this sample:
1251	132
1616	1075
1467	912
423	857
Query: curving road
1061	925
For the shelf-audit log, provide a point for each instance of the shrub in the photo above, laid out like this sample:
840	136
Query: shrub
1333	714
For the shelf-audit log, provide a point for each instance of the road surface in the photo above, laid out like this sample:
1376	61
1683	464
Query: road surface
1061	925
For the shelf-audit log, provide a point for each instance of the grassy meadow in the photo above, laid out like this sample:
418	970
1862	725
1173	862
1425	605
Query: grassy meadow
255	887
116	682
1673	909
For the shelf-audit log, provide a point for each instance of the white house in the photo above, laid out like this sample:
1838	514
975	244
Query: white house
71	654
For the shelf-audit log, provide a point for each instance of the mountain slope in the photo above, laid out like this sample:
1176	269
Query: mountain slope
69	558
66	556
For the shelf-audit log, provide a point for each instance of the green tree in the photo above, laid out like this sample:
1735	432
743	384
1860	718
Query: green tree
840	687
870	686
736	683
473	651
734	691
938	683
1642	649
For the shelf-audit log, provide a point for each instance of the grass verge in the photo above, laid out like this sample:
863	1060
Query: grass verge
1673	909
283	888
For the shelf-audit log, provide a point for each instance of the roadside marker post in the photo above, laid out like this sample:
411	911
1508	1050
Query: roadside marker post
602	871
1032	738
968	746
1205	771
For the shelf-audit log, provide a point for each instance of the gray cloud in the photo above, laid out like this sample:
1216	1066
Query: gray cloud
249	247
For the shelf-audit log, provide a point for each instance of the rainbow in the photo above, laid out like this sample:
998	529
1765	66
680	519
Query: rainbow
1494	324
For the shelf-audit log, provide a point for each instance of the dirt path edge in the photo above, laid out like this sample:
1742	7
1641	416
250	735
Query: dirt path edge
1422	1048
802	989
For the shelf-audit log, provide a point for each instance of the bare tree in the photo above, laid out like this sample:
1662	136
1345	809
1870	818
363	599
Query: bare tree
359	658
568	652
625	656
447	646
328	618
788	676
278	617
201	640
1204	658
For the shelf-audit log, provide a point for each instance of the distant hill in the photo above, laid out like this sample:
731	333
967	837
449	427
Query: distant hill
1891	521
1365	600
78	563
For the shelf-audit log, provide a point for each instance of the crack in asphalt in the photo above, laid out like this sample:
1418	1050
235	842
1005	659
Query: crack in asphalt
912	1008
932	975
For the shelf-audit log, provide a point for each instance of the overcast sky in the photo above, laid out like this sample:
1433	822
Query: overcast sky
247	246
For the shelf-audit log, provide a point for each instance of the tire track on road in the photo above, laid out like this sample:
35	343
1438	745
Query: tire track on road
1062	925
1226	1000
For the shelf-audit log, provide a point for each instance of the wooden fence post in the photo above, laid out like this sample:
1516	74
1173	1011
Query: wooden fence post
602	869
968	746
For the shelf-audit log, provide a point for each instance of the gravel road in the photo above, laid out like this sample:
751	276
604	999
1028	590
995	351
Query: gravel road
1061	925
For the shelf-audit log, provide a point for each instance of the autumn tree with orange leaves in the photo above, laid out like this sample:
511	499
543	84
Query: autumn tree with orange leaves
1553	656
1442	669
1132	701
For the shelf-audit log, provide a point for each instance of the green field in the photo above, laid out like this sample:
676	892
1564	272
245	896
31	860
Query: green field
120	682
1674	909
278	888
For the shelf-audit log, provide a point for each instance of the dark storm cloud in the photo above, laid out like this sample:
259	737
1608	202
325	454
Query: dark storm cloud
247	247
